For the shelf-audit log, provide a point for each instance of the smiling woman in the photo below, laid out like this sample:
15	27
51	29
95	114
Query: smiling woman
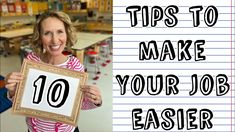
53	36
53	39
53	32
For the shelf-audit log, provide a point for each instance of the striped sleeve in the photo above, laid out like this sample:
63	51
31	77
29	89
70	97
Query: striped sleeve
74	64
32	56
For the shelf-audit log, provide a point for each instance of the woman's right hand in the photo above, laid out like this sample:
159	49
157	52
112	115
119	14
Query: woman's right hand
11	82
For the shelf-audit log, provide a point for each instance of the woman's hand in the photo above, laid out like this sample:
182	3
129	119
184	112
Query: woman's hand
11	81
92	93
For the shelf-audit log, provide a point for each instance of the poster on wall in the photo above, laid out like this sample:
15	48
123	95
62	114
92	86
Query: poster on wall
174	65
49	92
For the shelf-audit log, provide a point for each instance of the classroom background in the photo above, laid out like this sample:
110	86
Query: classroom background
92	20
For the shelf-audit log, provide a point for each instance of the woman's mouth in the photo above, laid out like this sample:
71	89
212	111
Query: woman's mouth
55	47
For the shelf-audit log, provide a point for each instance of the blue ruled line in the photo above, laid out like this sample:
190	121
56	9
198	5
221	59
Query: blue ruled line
175	41
173	104
157	96
173	131
164	90
160	110
178	131
138	55
174	27
134	48
225	69
177	6
170	34
180	76
183	13
164	62
173	118
183	90
127	20
177	76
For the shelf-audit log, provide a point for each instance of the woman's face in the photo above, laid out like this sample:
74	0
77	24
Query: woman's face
53	36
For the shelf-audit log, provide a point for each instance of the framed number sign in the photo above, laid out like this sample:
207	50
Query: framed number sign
49	92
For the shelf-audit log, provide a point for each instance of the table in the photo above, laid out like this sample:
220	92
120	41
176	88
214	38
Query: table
12	34
16	33
86	40
100	27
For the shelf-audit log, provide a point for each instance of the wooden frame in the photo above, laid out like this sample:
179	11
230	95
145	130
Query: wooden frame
39	96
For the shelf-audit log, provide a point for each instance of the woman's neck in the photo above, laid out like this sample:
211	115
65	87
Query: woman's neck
54	60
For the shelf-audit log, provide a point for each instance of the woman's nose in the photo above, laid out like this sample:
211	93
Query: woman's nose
55	38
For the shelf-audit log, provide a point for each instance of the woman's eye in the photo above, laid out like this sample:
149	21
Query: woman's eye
60	31
46	33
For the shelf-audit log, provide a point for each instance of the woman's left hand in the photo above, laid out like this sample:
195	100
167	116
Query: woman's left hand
92	93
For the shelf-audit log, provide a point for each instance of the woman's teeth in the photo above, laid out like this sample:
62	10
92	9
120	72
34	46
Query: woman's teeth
55	47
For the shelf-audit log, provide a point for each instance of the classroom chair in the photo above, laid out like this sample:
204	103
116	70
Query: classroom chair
92	57
105	51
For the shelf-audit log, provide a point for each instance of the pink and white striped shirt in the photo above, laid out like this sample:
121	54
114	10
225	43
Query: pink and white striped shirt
41	125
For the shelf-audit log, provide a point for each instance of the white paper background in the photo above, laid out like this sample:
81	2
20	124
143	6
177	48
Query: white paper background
219	52
65	109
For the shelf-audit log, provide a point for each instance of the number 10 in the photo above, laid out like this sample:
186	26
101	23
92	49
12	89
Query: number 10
57	93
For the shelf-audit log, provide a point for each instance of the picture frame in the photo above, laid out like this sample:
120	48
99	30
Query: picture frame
49	92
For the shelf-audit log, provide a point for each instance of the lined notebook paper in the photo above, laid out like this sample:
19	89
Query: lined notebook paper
219	50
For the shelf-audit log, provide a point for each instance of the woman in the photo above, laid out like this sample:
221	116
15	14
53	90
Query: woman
52	33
